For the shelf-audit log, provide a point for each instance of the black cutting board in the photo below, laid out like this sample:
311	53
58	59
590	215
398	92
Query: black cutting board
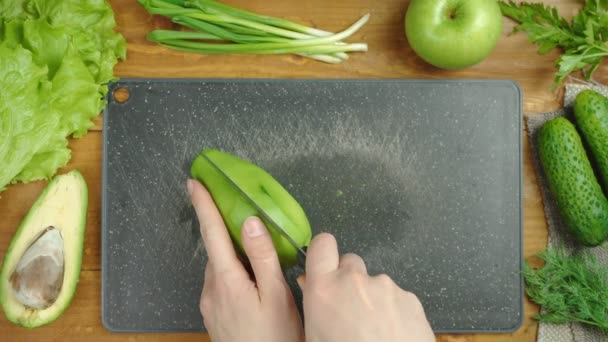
422	178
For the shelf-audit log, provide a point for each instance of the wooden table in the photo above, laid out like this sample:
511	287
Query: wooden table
389	56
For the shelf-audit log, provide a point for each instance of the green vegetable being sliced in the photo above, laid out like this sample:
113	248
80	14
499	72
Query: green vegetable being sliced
262	188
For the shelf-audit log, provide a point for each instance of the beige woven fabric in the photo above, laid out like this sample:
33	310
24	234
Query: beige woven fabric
557	231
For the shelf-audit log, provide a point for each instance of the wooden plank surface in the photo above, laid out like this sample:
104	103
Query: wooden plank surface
389	57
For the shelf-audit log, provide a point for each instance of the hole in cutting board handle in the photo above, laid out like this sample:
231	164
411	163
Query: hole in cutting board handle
121	94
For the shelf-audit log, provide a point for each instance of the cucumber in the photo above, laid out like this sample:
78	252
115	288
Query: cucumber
591	112
581	202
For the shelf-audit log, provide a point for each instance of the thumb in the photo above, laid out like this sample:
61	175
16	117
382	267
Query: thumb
263	257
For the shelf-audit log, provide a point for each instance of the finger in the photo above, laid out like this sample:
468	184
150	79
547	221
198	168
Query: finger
353	262
262	257
206	293
322	255
301	280
208	278
220	250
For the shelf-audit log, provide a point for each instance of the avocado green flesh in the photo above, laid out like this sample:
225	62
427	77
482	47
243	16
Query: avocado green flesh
264	190
579	197
63	206
591	111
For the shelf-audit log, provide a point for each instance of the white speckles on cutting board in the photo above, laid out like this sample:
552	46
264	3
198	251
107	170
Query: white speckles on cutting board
420	178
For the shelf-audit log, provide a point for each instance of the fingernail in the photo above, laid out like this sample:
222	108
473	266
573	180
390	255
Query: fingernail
190	185
254	227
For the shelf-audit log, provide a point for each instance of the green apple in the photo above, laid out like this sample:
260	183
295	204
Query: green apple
453	34
264	190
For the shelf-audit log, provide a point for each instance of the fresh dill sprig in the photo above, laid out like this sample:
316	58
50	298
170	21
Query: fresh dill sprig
582	40
570	288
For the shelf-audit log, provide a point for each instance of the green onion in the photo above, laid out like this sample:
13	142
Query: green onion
238	13
218	28
222	32
162	35
262	48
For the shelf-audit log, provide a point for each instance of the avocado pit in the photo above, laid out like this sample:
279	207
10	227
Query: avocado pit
38	277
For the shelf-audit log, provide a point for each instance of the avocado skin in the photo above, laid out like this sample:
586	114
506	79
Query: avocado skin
579	197
262	188
71	181
591	112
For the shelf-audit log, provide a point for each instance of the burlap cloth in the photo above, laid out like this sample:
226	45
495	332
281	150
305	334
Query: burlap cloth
558	233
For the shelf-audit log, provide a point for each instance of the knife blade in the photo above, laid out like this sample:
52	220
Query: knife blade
301	259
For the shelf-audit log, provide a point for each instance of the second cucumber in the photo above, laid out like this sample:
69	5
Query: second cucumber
581	202
591	111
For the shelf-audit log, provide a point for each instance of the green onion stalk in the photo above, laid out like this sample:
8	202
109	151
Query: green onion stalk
217	28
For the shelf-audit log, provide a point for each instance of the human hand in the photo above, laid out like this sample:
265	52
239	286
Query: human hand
343	303
234	307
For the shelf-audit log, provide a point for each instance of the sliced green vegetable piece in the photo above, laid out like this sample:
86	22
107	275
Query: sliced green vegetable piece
261	187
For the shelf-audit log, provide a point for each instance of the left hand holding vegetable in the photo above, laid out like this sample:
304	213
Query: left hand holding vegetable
234	307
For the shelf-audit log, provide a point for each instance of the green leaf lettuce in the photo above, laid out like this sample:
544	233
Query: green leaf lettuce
56	58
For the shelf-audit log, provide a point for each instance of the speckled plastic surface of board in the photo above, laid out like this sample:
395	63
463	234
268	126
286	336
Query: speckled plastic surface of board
422	178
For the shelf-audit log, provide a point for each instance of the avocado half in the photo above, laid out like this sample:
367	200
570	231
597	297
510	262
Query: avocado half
53	229
264	190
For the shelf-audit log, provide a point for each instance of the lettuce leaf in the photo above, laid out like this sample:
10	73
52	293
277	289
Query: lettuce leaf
24	128
57	57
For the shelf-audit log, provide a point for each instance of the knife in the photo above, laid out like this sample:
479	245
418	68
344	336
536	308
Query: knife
301	259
